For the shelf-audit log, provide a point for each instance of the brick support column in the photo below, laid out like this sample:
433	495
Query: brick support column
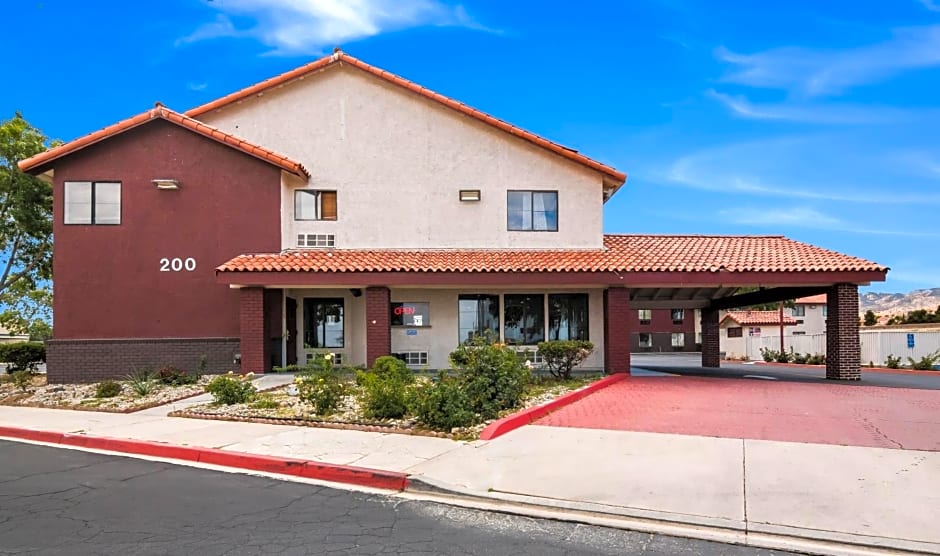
617	330
711	340
378	323
255	344
843	349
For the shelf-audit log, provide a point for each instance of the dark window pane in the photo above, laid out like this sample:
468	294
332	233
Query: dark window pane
323	323
479	316
568	316
411	314
525	319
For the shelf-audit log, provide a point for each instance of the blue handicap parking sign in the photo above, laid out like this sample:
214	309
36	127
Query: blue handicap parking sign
910	340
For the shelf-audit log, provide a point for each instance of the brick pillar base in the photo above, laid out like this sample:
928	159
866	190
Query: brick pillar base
378	323
255	345
711	341
843	350
617	330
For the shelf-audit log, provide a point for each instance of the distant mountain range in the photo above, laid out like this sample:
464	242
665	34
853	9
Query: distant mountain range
895	303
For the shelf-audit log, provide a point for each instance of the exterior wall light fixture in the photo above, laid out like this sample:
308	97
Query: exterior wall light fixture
470	195
164	183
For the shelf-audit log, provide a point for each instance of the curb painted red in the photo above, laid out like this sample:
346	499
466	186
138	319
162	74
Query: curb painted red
864	369
526	416
362	476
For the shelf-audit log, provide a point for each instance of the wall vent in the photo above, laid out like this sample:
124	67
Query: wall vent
316	240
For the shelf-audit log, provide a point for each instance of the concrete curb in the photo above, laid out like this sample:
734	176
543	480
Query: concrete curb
361	476
883	370
526	416
808	541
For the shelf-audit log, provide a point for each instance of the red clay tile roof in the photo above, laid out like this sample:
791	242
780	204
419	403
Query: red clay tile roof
341	57
622	253
162	112
820	299
757	318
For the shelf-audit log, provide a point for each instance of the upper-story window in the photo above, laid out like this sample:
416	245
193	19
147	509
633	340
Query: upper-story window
798	311
533	211
678	315
314	204
92	202
646	315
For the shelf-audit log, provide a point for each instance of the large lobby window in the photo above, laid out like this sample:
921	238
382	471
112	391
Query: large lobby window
323	323
479	316
568	316
524	316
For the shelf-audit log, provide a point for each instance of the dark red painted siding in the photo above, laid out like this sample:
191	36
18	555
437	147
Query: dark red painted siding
661	327
107	279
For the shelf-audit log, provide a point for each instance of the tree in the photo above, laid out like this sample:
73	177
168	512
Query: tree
870	318
25	229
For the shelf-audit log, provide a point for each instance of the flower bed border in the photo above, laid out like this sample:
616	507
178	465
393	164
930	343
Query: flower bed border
314	423
132	409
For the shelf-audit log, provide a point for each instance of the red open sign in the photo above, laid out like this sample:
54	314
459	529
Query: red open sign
404	310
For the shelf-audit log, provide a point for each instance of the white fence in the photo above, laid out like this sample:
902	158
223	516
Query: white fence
877	345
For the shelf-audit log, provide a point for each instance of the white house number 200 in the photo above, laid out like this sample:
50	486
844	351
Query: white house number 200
177	264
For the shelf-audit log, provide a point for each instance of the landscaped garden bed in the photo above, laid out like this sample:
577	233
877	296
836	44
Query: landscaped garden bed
488	382
136	392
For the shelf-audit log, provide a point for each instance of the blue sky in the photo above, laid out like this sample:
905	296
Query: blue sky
816	120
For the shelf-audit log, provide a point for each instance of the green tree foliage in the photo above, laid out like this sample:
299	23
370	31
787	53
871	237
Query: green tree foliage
25	229
920	316
870	318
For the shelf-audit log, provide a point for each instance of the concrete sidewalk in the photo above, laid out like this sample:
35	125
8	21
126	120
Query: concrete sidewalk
748	491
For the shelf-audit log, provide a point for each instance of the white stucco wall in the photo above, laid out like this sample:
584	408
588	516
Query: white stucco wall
397	162
813	320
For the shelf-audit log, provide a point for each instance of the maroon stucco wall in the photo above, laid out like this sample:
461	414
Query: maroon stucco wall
662	327
107	281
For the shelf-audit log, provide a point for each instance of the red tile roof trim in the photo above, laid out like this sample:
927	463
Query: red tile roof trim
757	318
820	299
162	112
340	57
621	253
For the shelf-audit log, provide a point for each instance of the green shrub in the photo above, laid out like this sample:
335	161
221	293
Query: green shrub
441	405
800	358
22	356
491	375
783	357
265	401
382	396
390	365
926	362
22	379
561	356
324	390
203	366
141	382
816	359
769	355
893	362
232	389
171	376
107	389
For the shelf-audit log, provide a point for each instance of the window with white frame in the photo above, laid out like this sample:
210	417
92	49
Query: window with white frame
92	202
314	204
414	358
533	211
798	311
646	340
646	315
316	240
753	331
678	339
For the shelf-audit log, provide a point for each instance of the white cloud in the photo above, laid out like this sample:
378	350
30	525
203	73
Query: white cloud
821	167
809	113
810	72
805	217
197	86
310	26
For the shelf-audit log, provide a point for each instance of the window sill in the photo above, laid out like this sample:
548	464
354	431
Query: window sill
409	326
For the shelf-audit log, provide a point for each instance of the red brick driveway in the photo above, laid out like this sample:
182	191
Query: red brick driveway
829	413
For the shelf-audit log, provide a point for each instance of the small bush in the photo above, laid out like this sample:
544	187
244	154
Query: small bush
265	401
107	389
926	362
22	379
893	362
800	358
171	376
783	357
816	359
563	356
442	405
22	356
382	396
141	382
324	390
388	365
203	366
491	375
232	389
769	355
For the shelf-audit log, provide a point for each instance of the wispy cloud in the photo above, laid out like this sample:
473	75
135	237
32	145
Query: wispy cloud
807	72
310	26
825	167
805	217
930	5
810	113
197	86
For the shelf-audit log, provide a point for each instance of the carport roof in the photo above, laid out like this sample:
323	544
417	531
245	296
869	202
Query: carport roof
621	254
